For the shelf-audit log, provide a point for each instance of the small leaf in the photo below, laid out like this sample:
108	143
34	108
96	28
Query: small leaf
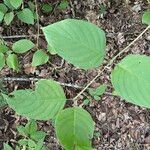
63	5
7	3
31	6
22	131
31	143
98	91
12	62
39	135
31	127
3	8
3	48
74	128
2	60
16	3
8	18
43	103
131	79
23	142
26	16
7	147
1	16
39	58
22	46
47	8
79	42
146	18
86	102
2	101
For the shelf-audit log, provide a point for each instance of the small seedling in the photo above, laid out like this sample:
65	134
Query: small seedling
63	5
31	137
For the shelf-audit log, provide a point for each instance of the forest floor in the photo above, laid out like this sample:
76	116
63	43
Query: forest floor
118	125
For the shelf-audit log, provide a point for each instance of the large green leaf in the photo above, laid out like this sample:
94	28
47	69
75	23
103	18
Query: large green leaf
26	16
131	79
79	42
22	46
42	104
74	128
146	18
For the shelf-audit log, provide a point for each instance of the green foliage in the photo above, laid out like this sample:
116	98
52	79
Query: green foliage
26	16
9	18
22	46
79	42
1	16
47	8
33	139
128	76
8	4
146	18
74	128
12	62
16	3
2	60
7	147
51	50
43	103
3	8
39	58
3	48
63	5
31	6
96	93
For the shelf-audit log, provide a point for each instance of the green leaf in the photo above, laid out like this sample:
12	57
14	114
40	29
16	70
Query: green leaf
22	46
79	42
3	8
16	3
7	3
63	5
31	6
39	135
98	91
47	8
51	50
2	60
9	18
31	143
131	79
3	48
7	147
26	16
39	58
43	103
1	16
22	130
23	142
2	101
74	128
31	127
12	62
146	18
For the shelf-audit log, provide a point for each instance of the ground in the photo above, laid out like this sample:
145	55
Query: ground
118	125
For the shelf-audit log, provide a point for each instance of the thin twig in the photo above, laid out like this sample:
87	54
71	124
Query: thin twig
110	62
37	79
